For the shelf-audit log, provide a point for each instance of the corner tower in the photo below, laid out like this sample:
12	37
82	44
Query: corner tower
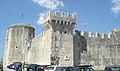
17	44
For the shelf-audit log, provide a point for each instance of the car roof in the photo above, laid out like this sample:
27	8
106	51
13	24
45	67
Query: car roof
112	66
84	66
16	62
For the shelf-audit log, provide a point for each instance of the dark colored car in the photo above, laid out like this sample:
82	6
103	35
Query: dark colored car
15	65
112	68
35	67
70	68
85	68
59	68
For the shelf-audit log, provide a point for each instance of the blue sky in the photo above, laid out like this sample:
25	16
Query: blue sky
92	15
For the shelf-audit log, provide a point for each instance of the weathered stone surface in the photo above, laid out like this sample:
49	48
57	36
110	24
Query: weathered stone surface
102	51
17	43
57	45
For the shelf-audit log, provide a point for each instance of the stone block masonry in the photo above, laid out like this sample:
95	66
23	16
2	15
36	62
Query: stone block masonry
59	45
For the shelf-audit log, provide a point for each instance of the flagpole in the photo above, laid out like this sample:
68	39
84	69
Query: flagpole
21	17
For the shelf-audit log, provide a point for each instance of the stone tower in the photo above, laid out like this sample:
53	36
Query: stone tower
18	41
58	45
55	45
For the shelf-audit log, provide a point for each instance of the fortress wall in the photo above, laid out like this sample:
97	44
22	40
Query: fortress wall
78	47
66	51
88	35
76	50
41	48
103	51
57	45
53	48
62	47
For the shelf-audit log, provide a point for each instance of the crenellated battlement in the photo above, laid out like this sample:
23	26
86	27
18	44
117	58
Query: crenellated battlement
59	17
95	35
84	33
58	45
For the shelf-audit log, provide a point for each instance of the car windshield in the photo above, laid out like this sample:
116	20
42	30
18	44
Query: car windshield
49	68
112	69
61	69
115	69
86	69
31	69
70	69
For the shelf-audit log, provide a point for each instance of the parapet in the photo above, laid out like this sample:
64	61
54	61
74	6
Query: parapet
66	18
95	35
77	32
21	25
91	34
84	33
107	36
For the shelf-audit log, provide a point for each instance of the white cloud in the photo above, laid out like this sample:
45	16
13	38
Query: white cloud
40	20
116	7
50	4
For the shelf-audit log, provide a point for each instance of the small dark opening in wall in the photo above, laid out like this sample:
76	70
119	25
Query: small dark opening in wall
28	48
58	21
65	32
16	46
65	22
62	21
29	34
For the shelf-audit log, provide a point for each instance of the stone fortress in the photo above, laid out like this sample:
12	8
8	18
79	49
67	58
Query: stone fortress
59	45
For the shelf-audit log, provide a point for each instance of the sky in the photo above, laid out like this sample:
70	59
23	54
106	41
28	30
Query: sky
92	15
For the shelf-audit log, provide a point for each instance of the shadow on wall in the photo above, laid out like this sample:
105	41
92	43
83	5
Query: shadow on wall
82	42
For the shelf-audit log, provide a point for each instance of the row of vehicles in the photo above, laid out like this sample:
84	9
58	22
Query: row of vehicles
18	66
75	68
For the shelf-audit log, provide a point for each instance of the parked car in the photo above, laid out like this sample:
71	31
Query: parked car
112	68
59	68
34	67
85	68
15	66
70	68
50	68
